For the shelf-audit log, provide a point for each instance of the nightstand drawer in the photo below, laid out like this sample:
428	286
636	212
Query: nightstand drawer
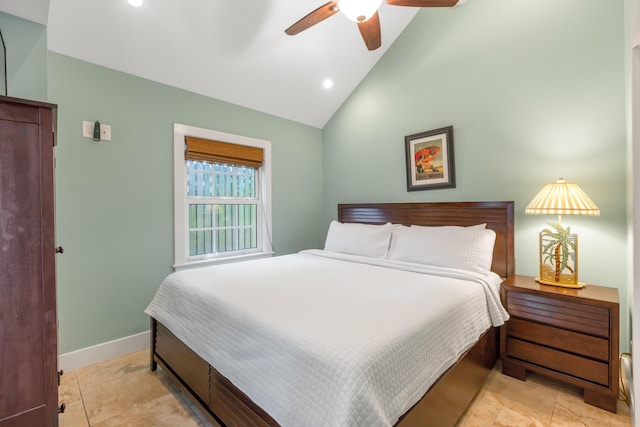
585	318
573	342
579	367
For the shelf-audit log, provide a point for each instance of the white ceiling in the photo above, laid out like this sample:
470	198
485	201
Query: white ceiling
33	10
232	50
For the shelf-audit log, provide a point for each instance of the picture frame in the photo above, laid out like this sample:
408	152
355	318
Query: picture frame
430	160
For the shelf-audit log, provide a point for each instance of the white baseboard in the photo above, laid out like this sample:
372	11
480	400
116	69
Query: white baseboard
101	352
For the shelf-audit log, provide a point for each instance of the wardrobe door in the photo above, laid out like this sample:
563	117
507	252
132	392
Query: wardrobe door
28	325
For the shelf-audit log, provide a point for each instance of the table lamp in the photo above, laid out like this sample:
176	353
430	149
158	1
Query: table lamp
558	247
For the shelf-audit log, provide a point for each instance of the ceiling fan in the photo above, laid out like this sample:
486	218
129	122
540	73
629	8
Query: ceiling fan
364	13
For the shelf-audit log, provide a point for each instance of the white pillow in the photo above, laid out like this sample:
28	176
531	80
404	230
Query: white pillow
359	239
468	248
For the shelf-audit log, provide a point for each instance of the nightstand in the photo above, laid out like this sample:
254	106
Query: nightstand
568	334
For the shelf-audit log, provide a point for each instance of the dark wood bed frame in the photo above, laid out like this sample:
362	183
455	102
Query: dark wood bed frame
444	403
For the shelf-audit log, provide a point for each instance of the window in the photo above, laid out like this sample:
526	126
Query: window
222	208
222	196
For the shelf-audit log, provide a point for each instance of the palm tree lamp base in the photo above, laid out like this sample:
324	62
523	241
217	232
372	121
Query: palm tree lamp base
559	257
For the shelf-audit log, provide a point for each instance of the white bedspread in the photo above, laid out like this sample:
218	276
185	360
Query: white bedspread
323	339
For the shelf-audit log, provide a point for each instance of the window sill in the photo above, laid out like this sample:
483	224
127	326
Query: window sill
221	260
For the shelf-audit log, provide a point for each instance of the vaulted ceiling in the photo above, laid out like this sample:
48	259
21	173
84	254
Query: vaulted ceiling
231	50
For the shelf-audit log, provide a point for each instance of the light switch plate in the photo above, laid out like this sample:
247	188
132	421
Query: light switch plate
87	129
105	132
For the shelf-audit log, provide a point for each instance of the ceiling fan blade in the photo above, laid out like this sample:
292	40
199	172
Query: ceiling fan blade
424	3
370	31
318	15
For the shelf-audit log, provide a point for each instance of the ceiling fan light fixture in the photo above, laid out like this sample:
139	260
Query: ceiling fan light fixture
359	10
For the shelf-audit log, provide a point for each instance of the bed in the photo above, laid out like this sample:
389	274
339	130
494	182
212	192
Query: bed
186	358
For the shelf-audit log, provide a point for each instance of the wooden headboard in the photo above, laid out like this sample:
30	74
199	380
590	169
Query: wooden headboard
497	215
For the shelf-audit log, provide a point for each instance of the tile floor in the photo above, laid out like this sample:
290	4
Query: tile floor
124	392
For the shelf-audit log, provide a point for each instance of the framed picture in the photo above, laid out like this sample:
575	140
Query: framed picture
430	159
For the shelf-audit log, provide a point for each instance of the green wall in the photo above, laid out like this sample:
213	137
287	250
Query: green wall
115	199
26	44
534	91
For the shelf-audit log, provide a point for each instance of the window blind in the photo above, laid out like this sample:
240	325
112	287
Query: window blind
223	152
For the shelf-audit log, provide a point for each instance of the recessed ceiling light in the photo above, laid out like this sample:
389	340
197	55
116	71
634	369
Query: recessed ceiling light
136	3
328	84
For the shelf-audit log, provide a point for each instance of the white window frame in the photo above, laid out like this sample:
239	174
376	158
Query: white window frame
181	233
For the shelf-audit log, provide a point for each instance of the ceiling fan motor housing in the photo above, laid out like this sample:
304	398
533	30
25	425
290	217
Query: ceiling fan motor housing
364	13
359	10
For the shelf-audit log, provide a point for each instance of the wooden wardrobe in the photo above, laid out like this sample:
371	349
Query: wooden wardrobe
28	321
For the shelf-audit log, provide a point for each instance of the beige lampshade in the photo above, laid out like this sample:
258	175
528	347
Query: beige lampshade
562	198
